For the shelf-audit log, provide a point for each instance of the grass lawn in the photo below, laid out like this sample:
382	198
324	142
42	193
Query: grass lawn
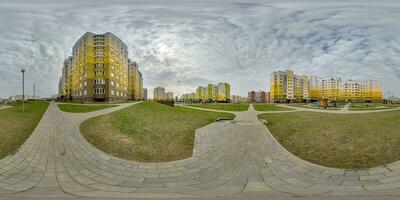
17	126
223	106
82	108
269	107
345	141
148	131
368	106
301	105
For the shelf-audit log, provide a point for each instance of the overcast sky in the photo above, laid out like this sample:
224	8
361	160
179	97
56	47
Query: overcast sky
183	44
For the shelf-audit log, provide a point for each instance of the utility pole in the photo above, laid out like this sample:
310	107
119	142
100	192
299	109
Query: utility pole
23	89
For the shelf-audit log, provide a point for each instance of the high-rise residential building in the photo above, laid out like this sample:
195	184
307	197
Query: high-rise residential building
223	92
135	80
329	88
277	86
145	94
212	92
257	97
97	70
316	88
285	86
352	90
373	91
262	97
251	96
64	82
201	93
159	93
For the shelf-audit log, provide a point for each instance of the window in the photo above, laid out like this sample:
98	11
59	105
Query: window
99	65
112	92
84	92
99	72
112	83
99	58
117	84
99	52
84	83
112	74
112	67
98	91
99	81
117	77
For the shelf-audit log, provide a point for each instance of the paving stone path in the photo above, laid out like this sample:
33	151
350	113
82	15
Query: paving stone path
238	158
5	107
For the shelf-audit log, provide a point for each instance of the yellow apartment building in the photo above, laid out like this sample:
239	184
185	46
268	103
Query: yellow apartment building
97	70
285	83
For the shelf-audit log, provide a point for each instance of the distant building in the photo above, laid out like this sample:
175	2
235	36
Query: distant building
145	97
285	86
212	93
223	92
169	96
159	93
135	81
251	97
257	97
238	99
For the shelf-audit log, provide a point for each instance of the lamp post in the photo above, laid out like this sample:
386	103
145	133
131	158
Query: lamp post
23	89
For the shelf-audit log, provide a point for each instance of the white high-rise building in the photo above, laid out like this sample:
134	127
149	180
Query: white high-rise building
159	93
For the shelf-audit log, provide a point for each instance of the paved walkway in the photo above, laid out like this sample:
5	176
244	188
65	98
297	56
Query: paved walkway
5	107
236	159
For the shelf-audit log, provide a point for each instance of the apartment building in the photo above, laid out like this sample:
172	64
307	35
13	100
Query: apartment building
314	88
98	70
212	93
169	96
223	92
257	97
201	93
145	97
329	88
159	94
135	80
285	86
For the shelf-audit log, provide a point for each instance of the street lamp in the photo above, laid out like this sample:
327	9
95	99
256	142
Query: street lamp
23	89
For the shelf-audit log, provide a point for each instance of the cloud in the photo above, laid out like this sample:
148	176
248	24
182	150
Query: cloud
181	45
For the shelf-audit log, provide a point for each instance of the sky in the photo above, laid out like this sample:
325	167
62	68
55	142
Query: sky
183	44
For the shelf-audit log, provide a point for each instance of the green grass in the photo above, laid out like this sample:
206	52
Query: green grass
223	106
148	131
269	107
368	106
82	108
17	126
354	141
301	105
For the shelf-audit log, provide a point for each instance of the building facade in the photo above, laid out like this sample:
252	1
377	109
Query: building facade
212	93
169	96
159	93
135	80
304	88
98	70
285	86
145	97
